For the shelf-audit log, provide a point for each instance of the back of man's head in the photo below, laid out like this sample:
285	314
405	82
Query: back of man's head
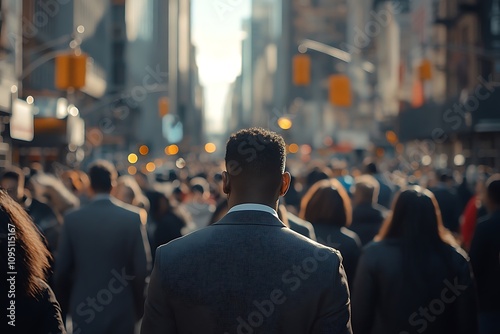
102	176
13	180
366	189
255	157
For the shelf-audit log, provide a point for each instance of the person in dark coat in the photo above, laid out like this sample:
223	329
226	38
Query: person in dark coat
414	278
103	260
328	207
367	215
29	305
449	202
170	223
248	272
485	259
386	188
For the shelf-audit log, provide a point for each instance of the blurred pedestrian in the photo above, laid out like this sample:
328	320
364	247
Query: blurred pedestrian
414	279
474	210
448	201
328	207
367	215
385	186
248	273
170	222
199	205
128	191
103	260
29	302
485	258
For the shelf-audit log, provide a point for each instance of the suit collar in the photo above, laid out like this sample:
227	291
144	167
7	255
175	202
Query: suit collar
249	217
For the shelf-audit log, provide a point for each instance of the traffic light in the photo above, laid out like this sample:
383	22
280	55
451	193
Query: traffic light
71	70
340	90
301	70
163	106
425	70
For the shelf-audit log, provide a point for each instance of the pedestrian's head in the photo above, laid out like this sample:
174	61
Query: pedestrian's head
255	167
327	202
416	219
102	176
13	181
366	189
493	193
370	167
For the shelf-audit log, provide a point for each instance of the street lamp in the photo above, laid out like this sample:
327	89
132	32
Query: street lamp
307	44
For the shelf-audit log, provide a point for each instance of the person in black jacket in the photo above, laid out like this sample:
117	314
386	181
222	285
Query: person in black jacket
448	200
328	207
485	259
170	223
29	303
367	215
414	279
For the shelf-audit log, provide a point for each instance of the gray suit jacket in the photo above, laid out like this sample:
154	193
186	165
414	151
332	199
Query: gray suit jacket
247	273
101	268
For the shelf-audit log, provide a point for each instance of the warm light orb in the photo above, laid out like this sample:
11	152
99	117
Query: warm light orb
210	147
133	158
293	148
150	167
132	170
171	150
391	137
143	150
284	123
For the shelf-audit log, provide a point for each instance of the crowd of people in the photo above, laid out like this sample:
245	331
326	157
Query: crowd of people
326	249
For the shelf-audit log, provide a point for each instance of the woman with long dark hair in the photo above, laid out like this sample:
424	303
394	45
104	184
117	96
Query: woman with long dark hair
33	306
414	278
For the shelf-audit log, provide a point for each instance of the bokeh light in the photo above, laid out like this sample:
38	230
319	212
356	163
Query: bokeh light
133	158
210	148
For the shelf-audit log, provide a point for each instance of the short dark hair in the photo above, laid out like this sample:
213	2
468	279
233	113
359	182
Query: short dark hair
255	151
14	173
102	176
493	189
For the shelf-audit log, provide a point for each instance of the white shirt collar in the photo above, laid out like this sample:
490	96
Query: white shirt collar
101	196
254	207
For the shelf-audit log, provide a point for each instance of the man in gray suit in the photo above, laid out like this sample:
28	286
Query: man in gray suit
248	273
103	261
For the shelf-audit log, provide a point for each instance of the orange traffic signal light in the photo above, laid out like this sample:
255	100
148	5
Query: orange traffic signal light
425	70
71	70
301	70
340	90
163	106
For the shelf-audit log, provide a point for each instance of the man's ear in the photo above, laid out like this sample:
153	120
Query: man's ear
226	183
286	180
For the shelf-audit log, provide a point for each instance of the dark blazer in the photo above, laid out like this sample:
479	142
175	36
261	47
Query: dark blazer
247	273
484	256
449	204
102	266
366	221
384	301
343	239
